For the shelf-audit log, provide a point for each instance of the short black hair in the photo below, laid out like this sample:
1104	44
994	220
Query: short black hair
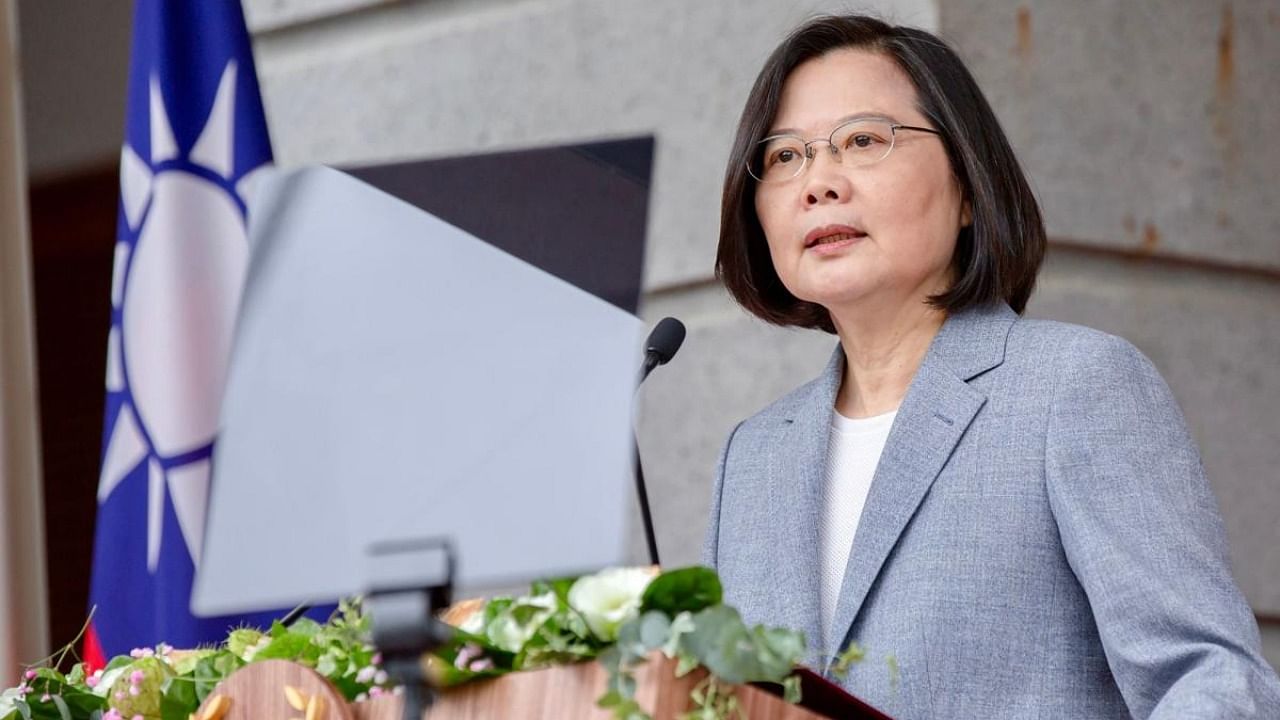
997	256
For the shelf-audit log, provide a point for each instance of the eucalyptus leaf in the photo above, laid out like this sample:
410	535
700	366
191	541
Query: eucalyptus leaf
654	629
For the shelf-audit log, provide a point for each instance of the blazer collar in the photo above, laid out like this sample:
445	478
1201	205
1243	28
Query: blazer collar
938	408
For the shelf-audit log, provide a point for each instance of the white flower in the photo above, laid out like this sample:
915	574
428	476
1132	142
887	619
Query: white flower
8	698
509	633
609	598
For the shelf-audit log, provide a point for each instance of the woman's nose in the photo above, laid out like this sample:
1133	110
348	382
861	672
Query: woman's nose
825	181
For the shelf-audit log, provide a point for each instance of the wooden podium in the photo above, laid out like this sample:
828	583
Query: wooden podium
281	690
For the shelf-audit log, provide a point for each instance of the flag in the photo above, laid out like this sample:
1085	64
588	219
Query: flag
195	140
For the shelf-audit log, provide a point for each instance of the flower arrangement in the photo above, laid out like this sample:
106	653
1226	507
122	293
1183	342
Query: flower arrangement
618	616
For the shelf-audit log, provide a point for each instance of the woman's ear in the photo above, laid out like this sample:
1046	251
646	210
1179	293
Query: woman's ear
966	214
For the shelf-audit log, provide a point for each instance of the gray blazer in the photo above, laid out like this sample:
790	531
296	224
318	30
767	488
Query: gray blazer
1039	540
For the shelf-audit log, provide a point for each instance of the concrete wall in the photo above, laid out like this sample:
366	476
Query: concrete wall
1145	131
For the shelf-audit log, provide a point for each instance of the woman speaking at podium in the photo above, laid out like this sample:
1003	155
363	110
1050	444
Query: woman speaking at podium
1007	515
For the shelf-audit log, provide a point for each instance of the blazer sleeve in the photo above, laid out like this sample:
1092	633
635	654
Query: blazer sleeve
1142	532
711	543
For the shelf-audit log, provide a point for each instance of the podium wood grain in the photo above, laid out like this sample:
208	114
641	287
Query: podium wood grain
570	693
256	692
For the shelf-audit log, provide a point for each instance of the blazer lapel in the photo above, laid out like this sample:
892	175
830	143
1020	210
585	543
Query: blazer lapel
938	408
796	469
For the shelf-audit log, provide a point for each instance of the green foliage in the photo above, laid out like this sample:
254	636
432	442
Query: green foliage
684	590
679	613
164	684
848	658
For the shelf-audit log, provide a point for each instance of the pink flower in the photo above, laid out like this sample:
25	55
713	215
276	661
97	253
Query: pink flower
136	677
138	717
134	690
366	674
375	691
93	680
481	665
377	659
469	652
141	652
30	674
112	714
119	695
45	697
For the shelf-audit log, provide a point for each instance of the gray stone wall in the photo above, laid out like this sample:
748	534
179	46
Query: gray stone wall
1146	129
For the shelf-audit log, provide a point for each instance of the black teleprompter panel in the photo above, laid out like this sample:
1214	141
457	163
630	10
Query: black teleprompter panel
576	211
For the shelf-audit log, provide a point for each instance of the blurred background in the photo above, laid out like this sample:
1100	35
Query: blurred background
1147	128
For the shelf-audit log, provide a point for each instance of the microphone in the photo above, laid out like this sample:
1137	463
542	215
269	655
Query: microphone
665	339
663	342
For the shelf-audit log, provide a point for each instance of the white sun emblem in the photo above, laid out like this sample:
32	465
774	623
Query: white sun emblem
174	295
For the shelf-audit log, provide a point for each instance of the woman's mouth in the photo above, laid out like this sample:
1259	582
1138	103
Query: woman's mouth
832	237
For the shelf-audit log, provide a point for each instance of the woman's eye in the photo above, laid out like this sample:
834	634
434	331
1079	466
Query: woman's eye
861	140
783	157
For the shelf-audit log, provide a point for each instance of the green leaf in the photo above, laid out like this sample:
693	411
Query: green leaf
847	658
722	643
117	662
187	664
777	650
655	627
559	586
178	699
286	646
83	703
791	689
688	589
327	665
686	664
207	676
64	712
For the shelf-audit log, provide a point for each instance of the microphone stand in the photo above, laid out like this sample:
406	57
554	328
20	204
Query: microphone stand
663	343
650	362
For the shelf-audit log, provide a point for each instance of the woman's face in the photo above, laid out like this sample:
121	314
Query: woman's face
904	211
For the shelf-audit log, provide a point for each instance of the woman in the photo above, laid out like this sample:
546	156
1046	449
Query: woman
1039	539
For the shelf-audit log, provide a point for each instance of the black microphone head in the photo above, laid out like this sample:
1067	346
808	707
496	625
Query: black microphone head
665	339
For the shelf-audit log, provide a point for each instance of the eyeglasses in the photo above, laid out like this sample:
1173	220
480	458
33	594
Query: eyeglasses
856	143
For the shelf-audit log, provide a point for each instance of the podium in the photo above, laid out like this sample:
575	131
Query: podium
281	689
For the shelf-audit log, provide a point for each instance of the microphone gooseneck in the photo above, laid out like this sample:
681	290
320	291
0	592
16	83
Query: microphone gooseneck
663	343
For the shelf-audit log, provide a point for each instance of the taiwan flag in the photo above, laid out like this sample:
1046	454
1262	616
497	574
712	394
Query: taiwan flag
195	141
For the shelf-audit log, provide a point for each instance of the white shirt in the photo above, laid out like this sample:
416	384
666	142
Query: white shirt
852	456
